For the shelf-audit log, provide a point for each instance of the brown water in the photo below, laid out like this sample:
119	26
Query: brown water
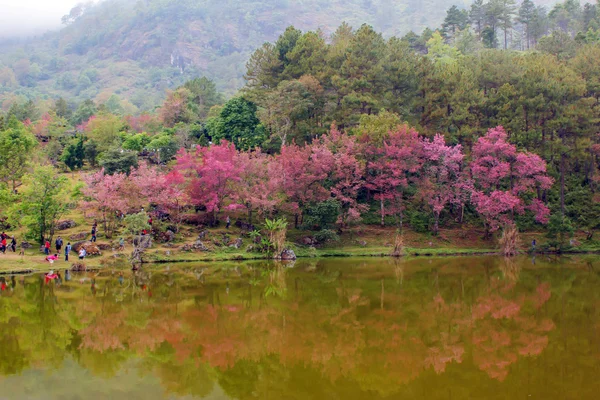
455	328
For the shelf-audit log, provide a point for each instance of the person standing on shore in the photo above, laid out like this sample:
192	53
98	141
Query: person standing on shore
67	251
13	245
94	233
58	244
47	247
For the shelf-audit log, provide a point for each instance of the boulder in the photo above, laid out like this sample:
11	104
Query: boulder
287	255
79	236
307	241
237	243
104	246
66	224
203	235
78	267
197	245
90	248
26	245
77	245
169	236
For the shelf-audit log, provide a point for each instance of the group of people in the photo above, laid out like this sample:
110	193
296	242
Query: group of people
4	243
58	244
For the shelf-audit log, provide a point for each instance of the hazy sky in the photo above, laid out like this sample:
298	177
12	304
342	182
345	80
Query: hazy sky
25	17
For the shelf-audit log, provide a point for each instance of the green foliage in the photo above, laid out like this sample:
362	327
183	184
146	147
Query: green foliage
559	230
323	215
137	142
238	124
136	223
165	144
74	154
43	203
326	236
118	161
419	221
16	145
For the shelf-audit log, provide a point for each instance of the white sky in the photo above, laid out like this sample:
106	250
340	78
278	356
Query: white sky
26	17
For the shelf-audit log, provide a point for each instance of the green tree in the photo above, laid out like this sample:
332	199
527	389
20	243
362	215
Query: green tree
238	124
74	154
44	202
118	160
16	145
84	111
456	20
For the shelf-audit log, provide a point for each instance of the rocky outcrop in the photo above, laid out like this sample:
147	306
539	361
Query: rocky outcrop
78	236
64	225
91	249
287	255
197	245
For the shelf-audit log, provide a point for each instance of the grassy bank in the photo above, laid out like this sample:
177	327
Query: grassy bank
361	241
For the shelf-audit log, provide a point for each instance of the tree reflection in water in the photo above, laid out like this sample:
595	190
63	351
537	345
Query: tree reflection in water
476	327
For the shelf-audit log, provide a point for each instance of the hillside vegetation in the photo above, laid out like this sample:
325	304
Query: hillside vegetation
137	49
461	129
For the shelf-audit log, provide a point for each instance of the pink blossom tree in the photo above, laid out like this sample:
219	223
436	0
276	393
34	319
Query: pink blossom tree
259	186
167	191
346	173
503	180
107	196
211	174
301	172
442	180
391	167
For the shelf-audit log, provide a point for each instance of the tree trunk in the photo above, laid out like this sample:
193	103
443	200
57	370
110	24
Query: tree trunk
382	212
296	220
436	225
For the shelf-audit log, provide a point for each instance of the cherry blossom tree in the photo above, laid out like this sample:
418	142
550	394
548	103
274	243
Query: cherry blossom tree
442	180
211	174
259	186
504	178
107	196
301	172
391	167
346	174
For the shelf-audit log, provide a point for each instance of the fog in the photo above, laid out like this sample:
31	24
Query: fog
29	17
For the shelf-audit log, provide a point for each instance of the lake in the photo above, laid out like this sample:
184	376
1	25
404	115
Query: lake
439	328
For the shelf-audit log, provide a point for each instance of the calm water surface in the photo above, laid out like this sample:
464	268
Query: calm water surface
455	328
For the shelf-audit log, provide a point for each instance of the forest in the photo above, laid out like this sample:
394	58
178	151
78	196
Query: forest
489	122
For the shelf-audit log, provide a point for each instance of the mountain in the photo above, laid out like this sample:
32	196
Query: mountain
136	49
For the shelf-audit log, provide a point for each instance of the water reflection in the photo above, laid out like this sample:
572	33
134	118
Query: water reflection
353	328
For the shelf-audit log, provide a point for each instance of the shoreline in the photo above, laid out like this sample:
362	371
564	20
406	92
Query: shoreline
99	263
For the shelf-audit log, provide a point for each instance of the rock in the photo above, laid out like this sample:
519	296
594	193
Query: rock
197	245
362	243
307	241
79	236
237	244
167	252
203	235
90	248
78	267
64	225
169	236
288	254
104	246
77	245
25	245
244	226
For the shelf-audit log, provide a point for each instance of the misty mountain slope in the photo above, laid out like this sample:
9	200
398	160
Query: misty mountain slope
138	48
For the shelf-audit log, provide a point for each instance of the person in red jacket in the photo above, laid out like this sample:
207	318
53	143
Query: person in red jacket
47	247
